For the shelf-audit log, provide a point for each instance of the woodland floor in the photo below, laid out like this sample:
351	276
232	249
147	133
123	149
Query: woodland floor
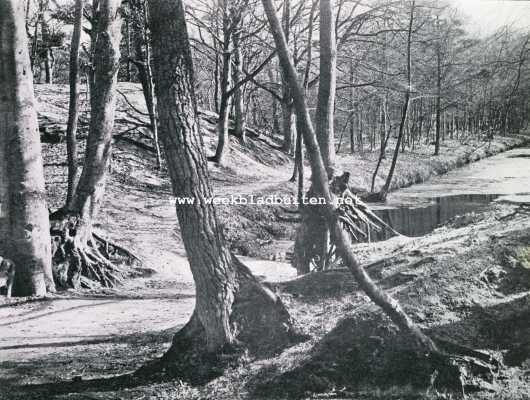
468	281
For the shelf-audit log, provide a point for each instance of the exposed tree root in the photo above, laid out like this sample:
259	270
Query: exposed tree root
261	325
458	372
315	248
112	248
98	261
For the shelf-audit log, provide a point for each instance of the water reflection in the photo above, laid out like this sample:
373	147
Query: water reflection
420	220
419	209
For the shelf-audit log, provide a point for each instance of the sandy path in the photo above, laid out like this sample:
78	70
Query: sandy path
146	223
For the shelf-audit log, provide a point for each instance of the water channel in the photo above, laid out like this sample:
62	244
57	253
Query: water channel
419	209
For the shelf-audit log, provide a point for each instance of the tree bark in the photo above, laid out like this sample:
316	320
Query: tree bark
46	50
288	118
24	225
288	123
223	142
438	96
77	250
239	114
232	307
298	170
102	105
142	61
325	114
73	106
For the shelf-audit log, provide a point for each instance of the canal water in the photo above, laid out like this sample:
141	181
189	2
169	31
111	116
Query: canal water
419	209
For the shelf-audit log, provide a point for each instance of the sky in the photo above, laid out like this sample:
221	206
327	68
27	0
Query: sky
485	16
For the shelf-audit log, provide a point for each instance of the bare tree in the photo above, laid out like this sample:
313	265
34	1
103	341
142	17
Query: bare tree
24	226
231	17
233	309
78	250
404	112
73	107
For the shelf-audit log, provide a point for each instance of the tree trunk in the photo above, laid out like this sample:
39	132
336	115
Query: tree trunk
49	65
351	102
288	118
381	157
46	50
298	170
404	112
142	61
276	130
128	69
313	235
321	187
73	106
325	114
288	124
223	143
438	98
298	157
78	251
239	114
24	225
232	307
102	109
34	43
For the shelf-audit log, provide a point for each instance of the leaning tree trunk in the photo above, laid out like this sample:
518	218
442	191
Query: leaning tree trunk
404	112
24	226
102	109
73	107
232	307
321	188
77	251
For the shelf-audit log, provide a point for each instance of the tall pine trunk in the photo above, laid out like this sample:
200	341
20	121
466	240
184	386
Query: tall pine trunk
232	307
24	225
